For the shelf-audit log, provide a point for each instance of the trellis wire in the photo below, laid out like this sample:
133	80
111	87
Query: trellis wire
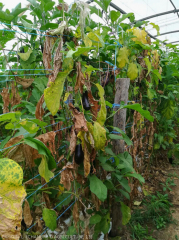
14	75
26	69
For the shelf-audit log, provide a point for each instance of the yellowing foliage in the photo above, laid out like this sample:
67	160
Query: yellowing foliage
132	72
140	35
122	57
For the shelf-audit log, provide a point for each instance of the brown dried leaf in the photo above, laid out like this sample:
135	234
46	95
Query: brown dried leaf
60	7
6	99
24	82
39	112
80	80
39	238
73	139
87	165
47	53
16	99
96	201
94	104
30	154
86	234
27	214
79	119
39	226
76	215
67	176
57	63
49	140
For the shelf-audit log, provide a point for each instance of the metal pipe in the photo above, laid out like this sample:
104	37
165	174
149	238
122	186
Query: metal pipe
174	6
173	42
157	15
167	33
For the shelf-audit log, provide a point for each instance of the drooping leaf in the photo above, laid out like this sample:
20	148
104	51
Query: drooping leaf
5	16
140	35
148	63
50	218
96	38
25	56
98	188
44	171
53	93
126	213
151	93
122	57
156	27
12	194
99	135
101	117
132	71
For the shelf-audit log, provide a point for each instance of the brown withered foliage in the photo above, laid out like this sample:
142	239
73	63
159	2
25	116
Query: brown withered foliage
39	112
80	80
96	201
15	99
47	52
86	234
27	214
49	140
24	82
67	176
79	119
6	99
60	7
76	215
94	104
38	226
57	63
73	140
87	164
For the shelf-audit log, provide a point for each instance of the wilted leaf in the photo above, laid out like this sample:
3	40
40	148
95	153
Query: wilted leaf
98	188
156	27
140	35
53	93
67	64
94	104
44	170
27	214
24	82
132	71
25	56
101	117
47	52
73	139
6	99
96	38
86	234
148	64
12	194
39	112
49	140
15	99
50	218
58	30
99	135
126	213
80	80
122	57
76	215
79	119
67	176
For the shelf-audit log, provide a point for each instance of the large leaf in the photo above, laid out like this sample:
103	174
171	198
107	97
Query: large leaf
5	16
101	117
96	38
99	135
126	213
53	93
132	71
98	188
168	109
50	218
12	194
17	10
49	6
104	225
122	57
95	219
106	4
138	108
114	15
25	56
44	171
96	11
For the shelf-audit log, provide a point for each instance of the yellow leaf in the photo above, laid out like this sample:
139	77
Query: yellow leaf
132	72
87	41
137	203
44	171
101	117
61	190
66	96
96	39
99	135
122	57
140	35
12	194
25	56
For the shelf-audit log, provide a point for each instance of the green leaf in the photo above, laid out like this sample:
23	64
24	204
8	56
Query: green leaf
124	136
95	10
101	117
29	126
12	196
81	50
156	72
106	4
132	71
104	225
126	213
128	15
114	15
99	135
44	171
116	137
125	194
49	26
53	93
168	109
27	25
3	143
124	183
17	10
95	219
5	16
71	231
138	108
10	116
96	38
148	64
50	218
25	56
98	188
109	151
107	167
34	3
151	93
49	6
156	27
137	176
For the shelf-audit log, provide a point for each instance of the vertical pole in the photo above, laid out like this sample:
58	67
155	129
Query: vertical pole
122	88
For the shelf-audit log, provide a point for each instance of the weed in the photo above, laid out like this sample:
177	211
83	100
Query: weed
169	183
139	232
